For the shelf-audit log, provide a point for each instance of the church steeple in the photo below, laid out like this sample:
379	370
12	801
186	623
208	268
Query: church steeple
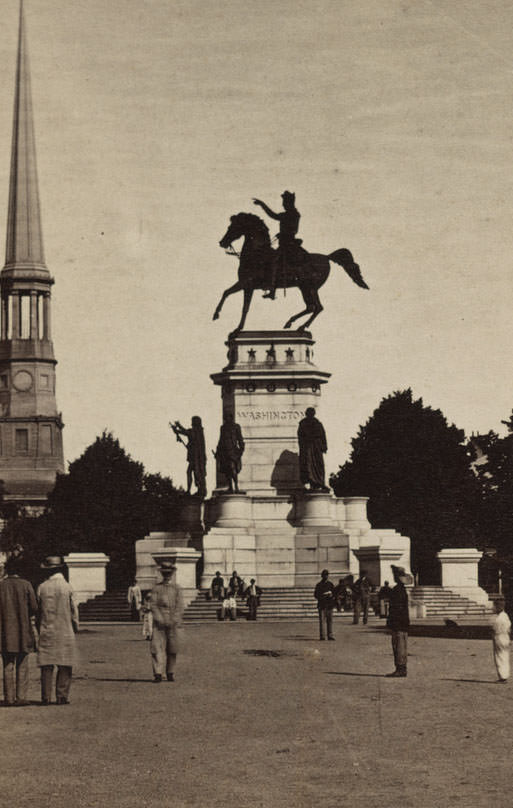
30	426
24	247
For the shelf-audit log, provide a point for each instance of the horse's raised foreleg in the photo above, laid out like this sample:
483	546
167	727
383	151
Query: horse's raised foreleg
248	294
227	292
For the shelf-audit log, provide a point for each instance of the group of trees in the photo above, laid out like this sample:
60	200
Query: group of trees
419	472
421	477
105	503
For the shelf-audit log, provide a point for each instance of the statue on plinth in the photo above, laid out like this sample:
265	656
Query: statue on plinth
312	446
196	454
262	267
230	449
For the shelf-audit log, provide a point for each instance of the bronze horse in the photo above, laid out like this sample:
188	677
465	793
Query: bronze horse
308	272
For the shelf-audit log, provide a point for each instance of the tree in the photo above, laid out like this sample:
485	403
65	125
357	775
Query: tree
105	504
495	475
416	469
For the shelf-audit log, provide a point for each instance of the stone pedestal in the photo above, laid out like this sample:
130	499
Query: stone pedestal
186	559
268	383
276	532
459	569
390	548
167	546
87	574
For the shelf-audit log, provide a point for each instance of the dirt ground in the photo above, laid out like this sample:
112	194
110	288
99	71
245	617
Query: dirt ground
266	715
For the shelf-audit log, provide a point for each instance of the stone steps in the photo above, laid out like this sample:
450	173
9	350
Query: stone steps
281	603
440	602
111	606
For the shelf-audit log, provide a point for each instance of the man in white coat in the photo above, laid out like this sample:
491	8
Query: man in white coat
501	627
167	610
58	624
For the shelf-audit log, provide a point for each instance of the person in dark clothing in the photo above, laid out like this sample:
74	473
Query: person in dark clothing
384	599
399	621
252	594
361	598
217	587
18	607
235	586
324	595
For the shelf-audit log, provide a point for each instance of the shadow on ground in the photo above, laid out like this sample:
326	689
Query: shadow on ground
480	632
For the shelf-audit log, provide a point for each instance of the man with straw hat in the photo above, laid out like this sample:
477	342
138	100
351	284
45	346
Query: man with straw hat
167	610
58	624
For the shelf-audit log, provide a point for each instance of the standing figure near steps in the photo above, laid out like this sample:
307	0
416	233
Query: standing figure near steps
230	449
501	628
312	446
288	252
196	454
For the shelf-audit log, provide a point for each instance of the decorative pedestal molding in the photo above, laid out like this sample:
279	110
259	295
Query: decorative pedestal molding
87	574
186	559
459	569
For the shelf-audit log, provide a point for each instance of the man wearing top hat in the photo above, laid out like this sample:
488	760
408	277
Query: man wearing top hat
167	611
399	621
58	624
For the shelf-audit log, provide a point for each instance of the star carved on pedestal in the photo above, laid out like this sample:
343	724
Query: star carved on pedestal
289	353
271	353
251	355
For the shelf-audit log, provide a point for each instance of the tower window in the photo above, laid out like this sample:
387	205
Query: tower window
45	439
45	381
4	381
21	441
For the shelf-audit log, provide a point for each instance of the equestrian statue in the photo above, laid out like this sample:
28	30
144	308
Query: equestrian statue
262	267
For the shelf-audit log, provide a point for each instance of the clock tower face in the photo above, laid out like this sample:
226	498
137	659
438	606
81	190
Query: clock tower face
22	381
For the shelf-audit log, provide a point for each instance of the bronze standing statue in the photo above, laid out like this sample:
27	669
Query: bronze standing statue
196	454
229	452
262	267
312	446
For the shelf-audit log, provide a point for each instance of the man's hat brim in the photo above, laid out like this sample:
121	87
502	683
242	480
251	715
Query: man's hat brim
52	562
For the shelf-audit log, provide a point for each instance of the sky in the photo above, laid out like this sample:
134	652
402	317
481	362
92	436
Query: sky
155	120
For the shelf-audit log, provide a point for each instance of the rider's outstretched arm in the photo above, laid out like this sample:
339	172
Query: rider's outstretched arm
267	209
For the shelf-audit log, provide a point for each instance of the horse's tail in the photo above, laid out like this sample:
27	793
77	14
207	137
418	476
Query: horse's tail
344	259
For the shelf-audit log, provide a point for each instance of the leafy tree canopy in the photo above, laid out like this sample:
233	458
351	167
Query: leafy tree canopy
416	470
495	476
105	503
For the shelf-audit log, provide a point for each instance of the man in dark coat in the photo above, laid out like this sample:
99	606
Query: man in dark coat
399	621
230	449
18	607
361	598
252	594
324	595
312	446
217	587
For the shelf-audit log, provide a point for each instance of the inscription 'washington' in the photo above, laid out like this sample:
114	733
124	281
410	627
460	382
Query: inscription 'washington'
270	415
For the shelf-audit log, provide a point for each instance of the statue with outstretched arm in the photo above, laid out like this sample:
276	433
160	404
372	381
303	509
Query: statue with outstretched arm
289	224
196	454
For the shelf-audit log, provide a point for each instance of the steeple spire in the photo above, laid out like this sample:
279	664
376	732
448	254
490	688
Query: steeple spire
30	425
24	246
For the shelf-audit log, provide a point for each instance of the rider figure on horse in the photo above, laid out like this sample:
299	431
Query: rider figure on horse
289	249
